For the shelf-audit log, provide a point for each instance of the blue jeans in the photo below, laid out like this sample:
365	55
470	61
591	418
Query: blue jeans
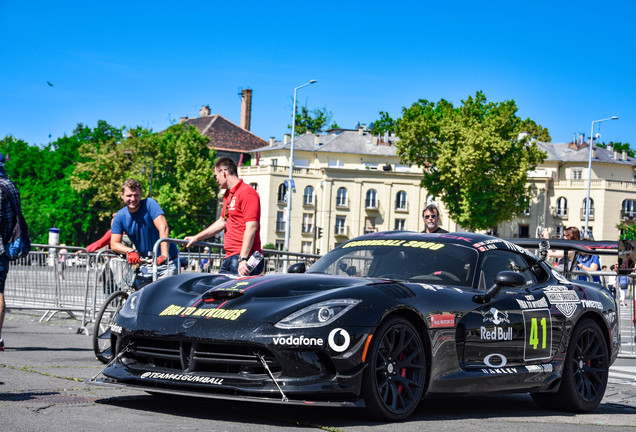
230	266
4	269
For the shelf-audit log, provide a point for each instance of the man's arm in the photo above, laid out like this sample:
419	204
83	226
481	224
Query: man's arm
117	245
215	228
251	228
164	232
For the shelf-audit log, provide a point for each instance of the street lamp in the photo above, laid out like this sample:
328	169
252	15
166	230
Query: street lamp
586	234
291	167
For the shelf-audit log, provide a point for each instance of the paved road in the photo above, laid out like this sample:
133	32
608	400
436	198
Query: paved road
42	375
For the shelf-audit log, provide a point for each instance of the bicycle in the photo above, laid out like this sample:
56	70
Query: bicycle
115	301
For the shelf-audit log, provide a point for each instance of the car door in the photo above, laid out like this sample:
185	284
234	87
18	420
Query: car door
513	328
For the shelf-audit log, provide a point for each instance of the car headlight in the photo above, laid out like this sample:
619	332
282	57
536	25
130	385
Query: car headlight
318	315
131	307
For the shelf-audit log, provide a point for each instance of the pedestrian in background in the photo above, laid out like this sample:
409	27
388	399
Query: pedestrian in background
240	220
430	215
8	194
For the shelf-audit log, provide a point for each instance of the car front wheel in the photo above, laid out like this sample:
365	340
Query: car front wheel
395	377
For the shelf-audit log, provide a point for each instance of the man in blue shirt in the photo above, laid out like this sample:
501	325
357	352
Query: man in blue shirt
589	263
144	222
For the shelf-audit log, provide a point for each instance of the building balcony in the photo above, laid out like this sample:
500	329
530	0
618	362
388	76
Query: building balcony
369	230
628	215
561	213
280	227
308	229
402	207
341	231
372	205
342	203
591	214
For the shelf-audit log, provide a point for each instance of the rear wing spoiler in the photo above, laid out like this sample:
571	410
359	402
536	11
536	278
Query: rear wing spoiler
578	247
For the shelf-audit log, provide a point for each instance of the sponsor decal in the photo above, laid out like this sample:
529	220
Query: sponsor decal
540	368
115	328
297	341
611	317
403	243
558	276
563	298
342	343
188	323
219	313
537	328
500	371
496	360
496	333
533	304
428	287
487	245
592	304
182	377
495	316
442	320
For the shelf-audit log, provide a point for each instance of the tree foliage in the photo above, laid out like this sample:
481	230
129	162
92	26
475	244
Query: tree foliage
177	164
384	124
74	182
619	147
312	121
472	158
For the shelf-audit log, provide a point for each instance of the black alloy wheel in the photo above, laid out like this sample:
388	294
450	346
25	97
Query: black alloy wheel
395	376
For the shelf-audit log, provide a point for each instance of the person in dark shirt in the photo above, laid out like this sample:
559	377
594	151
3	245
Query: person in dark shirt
430	215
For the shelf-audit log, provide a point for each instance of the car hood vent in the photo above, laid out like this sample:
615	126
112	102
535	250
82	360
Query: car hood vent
221	294
395	290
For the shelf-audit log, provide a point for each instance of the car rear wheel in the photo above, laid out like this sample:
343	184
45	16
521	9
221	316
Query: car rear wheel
585	372
395	376
105	317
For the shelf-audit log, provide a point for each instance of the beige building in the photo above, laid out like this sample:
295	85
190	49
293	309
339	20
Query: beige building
348	183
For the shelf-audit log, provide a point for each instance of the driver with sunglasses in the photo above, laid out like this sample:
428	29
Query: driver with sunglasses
430	215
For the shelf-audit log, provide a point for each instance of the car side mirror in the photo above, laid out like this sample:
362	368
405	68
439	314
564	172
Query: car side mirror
505	278
297	268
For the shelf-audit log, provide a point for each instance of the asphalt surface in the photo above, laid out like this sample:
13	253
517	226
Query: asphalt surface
43	369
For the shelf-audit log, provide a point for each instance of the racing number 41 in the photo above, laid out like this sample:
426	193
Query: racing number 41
534	333
538	334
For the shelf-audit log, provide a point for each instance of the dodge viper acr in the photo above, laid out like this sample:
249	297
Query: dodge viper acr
379	323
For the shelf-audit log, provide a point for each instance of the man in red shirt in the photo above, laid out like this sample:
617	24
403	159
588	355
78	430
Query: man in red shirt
240	218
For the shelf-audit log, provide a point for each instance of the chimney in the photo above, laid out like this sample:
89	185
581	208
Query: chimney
246	108
360	130
624	155
204	111
594	153
287	139
182	120
615	154
317	139
272	141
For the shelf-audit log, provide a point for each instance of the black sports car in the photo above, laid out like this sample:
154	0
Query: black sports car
379	322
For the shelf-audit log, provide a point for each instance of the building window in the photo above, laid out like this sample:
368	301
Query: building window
308	222
577	174
280	245
628	209
308	196
400	201
369	225
370	166
335	164
280	222
341	198
274	162
584	210
558	231
255	186
400	224
305	247
301	163
562	207
340	225
371	201
282	193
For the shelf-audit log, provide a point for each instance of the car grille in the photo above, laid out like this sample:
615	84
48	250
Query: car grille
194	356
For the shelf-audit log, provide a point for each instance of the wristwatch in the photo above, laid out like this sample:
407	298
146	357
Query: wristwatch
242	259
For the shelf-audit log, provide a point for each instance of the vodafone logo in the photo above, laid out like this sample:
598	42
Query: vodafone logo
339	340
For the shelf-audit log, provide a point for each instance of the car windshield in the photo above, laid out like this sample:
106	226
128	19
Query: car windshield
423	262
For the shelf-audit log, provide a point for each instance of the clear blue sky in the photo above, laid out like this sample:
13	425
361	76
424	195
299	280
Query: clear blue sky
148	63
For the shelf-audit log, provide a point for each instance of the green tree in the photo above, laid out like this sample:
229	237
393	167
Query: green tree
618	146
312	121
472	157
384	124
177	164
